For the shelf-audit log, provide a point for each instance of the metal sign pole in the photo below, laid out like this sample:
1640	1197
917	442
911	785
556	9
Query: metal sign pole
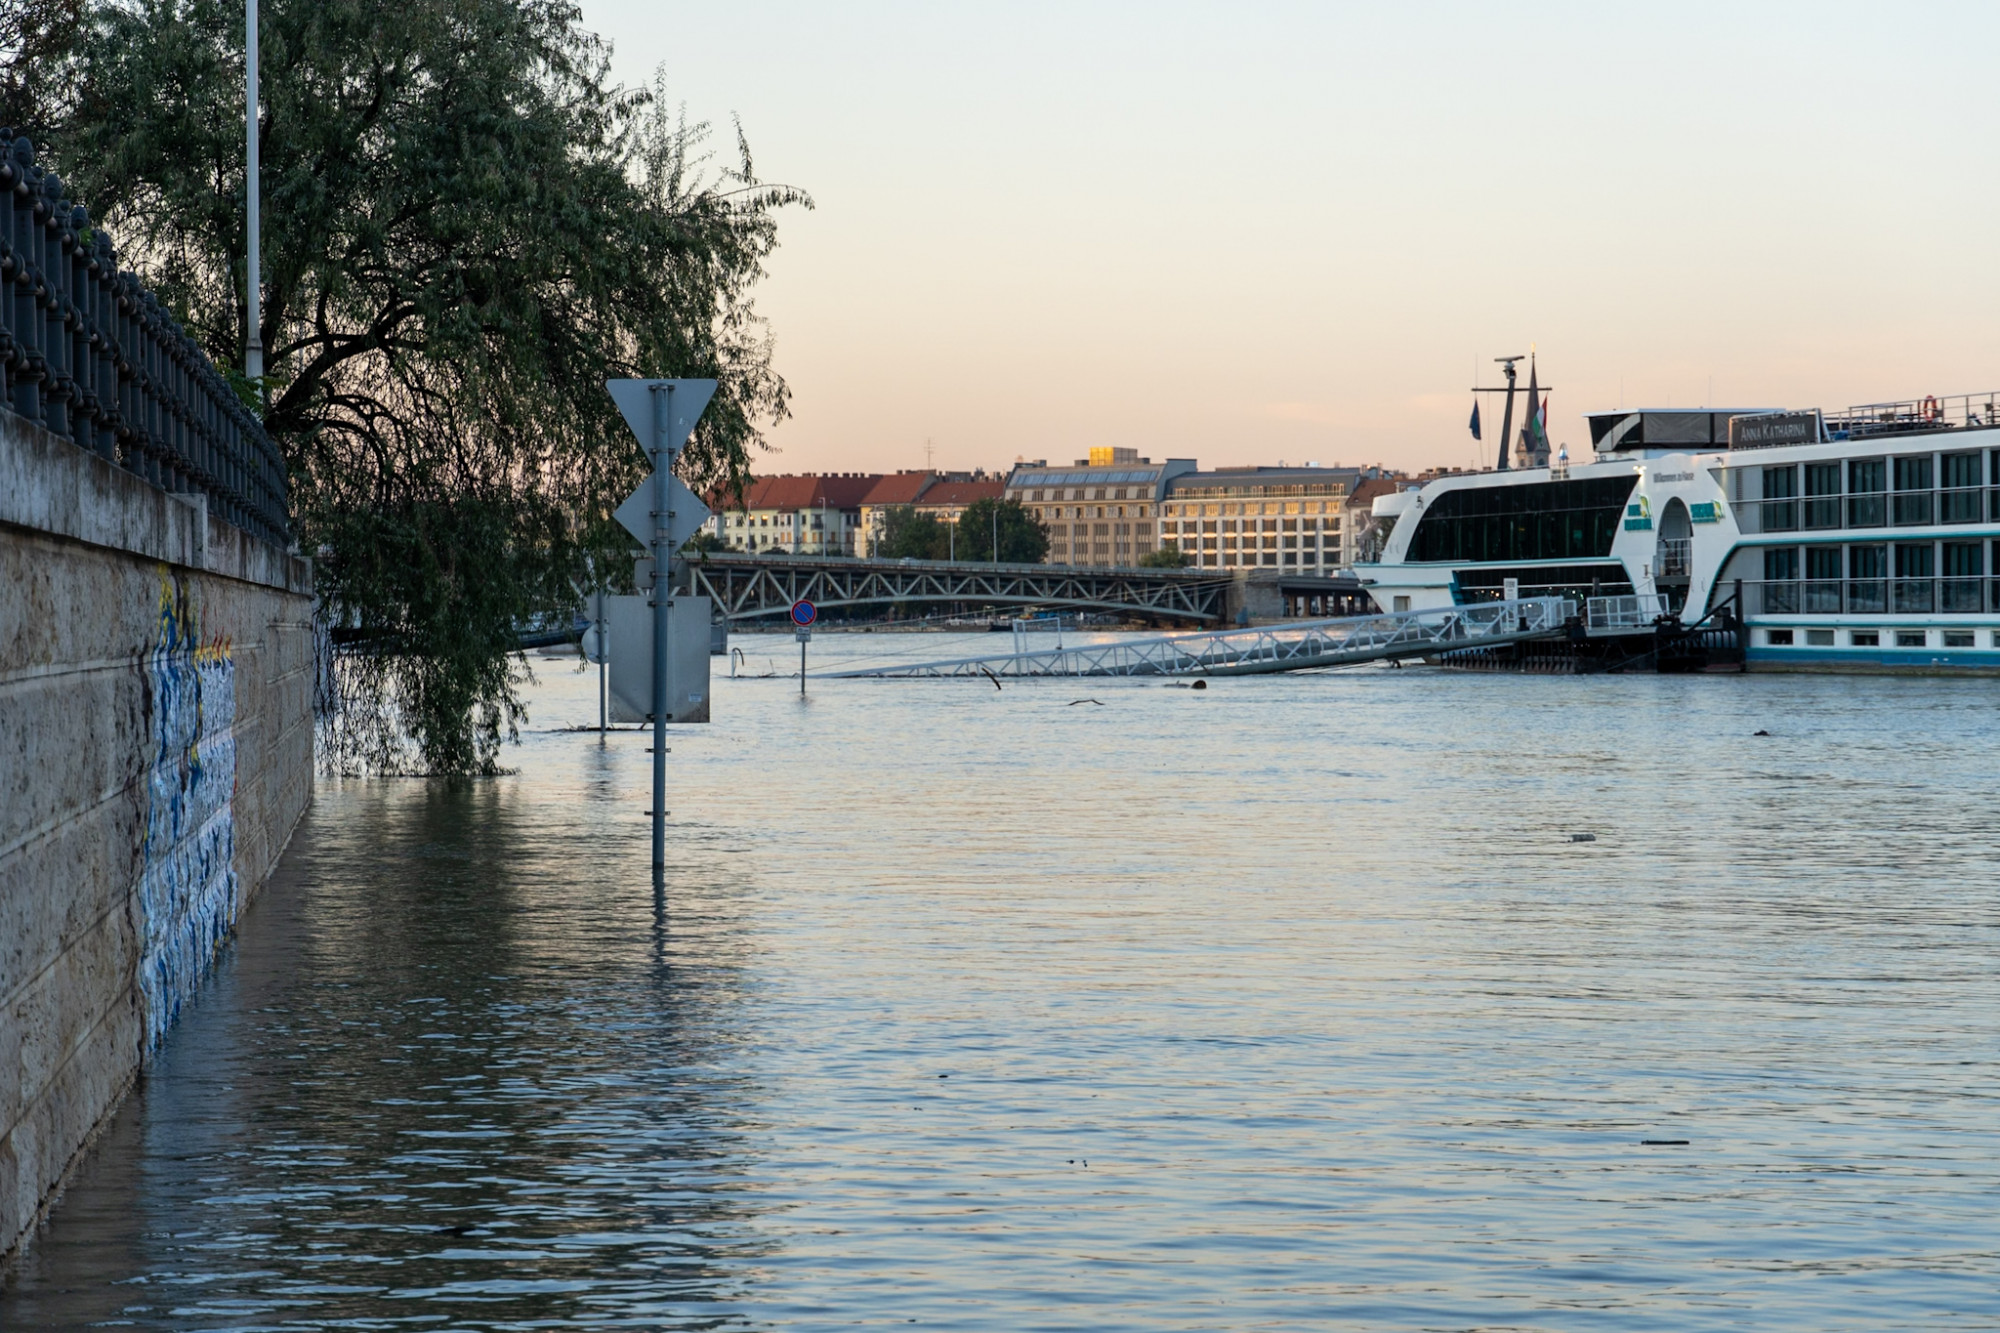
663	471
803	615
661	515
253	344
603	657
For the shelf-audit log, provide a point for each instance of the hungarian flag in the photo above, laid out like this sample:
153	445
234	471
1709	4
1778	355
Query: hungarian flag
1535	434
1475	418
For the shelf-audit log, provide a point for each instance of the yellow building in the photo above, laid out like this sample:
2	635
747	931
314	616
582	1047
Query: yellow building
1103	510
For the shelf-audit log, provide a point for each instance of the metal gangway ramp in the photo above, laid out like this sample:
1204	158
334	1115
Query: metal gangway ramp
1303	645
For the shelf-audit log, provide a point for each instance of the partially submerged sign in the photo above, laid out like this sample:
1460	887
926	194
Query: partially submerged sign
631	624
660	682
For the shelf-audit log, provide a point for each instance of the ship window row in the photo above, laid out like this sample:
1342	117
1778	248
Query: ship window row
1576	582
1813	637
1554	520
1879	578
1907	490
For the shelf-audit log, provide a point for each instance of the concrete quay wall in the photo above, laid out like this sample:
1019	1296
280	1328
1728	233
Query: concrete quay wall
156	688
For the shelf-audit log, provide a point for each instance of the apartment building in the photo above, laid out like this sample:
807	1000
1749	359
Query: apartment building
1103	510
809	514
1288	518
890	492
946	500
1357	515
942	495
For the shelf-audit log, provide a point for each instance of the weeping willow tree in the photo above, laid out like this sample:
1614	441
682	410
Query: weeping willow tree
467	228
37	38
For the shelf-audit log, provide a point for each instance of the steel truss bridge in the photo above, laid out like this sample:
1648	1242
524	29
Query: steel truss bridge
744	587
1298	646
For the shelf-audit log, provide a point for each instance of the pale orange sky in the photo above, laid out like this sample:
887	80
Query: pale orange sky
1292	231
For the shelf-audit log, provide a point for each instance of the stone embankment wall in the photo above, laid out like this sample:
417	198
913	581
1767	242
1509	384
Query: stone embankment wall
156	685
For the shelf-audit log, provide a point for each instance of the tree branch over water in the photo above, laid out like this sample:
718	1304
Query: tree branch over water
467	229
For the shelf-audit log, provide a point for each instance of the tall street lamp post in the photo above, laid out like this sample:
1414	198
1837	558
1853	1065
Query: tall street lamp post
253	278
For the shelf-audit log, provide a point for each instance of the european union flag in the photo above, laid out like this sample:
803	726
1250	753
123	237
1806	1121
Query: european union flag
1475	418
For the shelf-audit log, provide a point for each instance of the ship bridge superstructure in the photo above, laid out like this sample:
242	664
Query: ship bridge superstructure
1864	537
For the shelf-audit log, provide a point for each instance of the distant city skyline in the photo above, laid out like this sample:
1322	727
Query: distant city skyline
1290	231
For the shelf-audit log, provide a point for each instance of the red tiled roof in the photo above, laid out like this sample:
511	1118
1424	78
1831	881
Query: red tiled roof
848	492
809	491
782	493
961	493
899	488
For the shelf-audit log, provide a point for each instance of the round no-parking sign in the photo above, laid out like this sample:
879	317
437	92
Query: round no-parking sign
804	613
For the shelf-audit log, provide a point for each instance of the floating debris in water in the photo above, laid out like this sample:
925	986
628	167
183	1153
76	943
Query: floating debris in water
1583	837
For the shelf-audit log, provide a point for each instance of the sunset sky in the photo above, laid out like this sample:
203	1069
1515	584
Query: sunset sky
1246	233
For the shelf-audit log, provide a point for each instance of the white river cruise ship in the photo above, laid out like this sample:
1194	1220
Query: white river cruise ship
1863	540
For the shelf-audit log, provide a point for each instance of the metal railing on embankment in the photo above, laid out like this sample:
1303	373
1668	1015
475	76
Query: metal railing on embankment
90	354
1295	646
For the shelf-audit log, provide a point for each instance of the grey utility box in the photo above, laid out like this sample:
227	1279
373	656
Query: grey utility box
629	621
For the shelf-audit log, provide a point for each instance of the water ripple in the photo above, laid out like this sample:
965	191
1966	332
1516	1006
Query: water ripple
1287	1004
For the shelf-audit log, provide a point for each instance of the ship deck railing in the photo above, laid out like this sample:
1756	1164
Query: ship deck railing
1963	411
1610	615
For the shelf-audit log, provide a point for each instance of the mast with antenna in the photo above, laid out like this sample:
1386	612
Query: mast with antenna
1507	418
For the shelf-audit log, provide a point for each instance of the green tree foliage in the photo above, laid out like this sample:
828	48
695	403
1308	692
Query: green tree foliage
1023	541
908	534
1169	556
37	39
467	229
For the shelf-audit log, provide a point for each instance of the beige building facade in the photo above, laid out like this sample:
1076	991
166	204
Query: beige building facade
1289	519
1115	508
1103	510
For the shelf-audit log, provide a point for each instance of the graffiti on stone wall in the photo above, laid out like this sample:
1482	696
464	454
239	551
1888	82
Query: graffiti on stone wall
187	889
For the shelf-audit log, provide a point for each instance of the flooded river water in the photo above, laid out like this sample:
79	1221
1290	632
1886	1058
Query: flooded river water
1286	1004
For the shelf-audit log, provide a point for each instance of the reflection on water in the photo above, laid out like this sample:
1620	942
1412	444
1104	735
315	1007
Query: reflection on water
1286	1004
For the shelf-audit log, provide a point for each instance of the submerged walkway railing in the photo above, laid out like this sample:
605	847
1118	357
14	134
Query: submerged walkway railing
1299	646
88	353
